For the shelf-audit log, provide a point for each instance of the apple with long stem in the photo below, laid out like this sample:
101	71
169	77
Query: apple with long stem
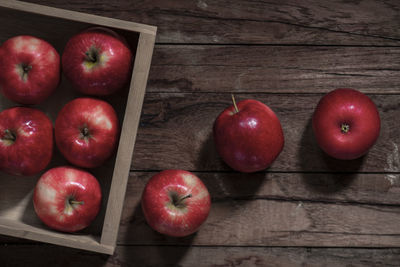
97	61
29	69
175	202
248	135
346	123
26	141
67	199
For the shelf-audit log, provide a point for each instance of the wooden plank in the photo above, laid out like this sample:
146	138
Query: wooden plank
263	212
176	132
78	16
309	187
278	223
257	22
115	203
38	233
198	256
274	69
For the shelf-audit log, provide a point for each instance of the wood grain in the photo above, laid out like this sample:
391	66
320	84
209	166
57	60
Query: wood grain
176	132
37	255
274	69
256	22
267	211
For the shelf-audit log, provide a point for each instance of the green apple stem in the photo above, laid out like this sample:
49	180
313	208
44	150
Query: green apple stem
75	202
234	103
345	128
9	136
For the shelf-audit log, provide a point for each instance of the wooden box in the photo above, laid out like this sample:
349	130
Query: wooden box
17	216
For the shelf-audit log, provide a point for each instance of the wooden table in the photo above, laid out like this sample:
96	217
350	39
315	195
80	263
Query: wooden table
307	208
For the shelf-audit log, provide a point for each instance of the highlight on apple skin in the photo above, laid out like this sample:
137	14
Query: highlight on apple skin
29	69
97	61
175	203
67	199
248	136
346	124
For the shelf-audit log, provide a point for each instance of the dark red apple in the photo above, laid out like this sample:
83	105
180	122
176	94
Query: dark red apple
67	199
248	136
26	141
29	69
87	131
346	124
175	202
97	61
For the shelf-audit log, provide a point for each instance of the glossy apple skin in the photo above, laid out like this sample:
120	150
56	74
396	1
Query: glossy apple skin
113	61
351	107
102	125
168	218
248	140
54	192
42	75
32	149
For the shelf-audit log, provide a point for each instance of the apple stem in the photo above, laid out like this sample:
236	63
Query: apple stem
90	56
345	128
178	201
9	135
85	131
73	202
234	103
26	68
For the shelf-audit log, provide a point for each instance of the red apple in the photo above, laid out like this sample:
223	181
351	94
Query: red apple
248	136
29	69
346	124
97	61
87	131
26	141
67	199
175	202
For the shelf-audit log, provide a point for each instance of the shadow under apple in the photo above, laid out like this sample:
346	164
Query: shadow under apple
313	160
156	245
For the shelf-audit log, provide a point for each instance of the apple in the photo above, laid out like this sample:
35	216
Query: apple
67	199
26	141
29	69
346	123
175	202
86	131
248	136
97	61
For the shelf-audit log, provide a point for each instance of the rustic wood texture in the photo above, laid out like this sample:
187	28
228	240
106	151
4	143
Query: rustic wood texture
256	22
274	69
313	210
176	131
155	256
307	209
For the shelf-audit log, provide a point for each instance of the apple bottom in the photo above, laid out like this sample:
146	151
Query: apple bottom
67	199
175	203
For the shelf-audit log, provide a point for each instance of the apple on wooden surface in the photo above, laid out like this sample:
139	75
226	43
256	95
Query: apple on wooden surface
97	61
346	123
175	202
26	141
67	199
86	131
29	69
248	136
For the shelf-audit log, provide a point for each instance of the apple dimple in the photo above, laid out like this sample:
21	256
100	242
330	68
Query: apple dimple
9	137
